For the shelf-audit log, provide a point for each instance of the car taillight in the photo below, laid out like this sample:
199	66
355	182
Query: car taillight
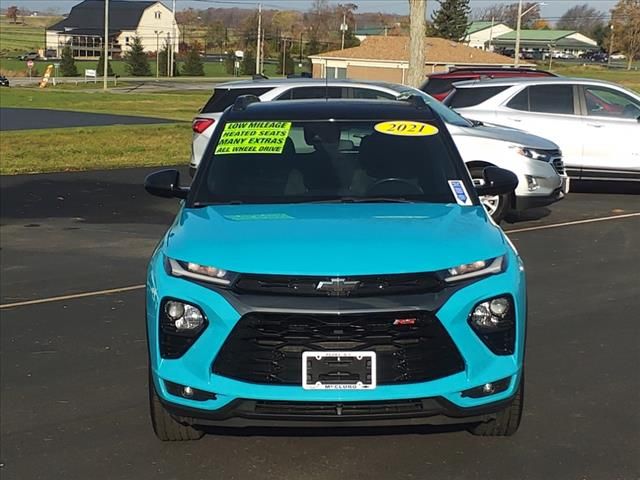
199	125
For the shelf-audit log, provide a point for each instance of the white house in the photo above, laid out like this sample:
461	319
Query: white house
83	29
481	34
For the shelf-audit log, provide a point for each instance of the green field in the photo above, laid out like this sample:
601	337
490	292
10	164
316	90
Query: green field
25	36
69	149
174	105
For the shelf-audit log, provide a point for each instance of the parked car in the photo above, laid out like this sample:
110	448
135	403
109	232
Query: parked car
29	56
331	265
4	81
438	85
536	161
595	123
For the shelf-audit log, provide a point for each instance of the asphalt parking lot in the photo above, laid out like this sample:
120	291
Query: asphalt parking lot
39	118
74	370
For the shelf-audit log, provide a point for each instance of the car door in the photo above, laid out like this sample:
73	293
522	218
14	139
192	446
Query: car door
611	120
549	111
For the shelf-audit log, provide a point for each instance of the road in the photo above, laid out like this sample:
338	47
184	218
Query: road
74	371
38	118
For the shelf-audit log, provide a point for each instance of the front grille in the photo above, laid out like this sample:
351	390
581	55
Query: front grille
365	285
558	165
268	347
344	409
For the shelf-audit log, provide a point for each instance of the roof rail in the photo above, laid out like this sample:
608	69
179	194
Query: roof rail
243	101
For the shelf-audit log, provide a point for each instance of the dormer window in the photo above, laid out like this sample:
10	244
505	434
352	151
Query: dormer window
158	15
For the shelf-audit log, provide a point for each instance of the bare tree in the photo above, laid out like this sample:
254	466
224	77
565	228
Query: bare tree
417	9
508	14
582	18
626	27
12	13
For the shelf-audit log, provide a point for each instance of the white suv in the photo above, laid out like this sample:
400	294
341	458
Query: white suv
536	161
596	123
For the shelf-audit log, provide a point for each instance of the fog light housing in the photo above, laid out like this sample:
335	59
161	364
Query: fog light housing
493	320
190	393
488	389
180	326
532	183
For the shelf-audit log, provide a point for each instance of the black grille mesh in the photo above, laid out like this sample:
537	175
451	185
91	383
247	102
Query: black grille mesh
267	347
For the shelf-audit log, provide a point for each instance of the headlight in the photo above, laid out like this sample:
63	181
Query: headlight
196	271
493	320
533	153
479	268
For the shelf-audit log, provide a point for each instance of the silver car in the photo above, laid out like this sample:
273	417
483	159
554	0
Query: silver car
596	123
537	162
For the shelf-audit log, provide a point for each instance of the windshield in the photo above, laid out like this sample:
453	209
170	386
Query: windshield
342	161
447	114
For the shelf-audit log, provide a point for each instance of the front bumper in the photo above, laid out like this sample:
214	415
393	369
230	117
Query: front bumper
241	413
539	184
233	398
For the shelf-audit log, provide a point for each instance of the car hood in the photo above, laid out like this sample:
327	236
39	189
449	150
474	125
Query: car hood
506	134
334	239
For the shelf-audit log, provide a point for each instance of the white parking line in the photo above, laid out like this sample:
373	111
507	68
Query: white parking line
72	297
139	287
575	222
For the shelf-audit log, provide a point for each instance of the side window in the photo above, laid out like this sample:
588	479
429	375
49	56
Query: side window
307	93
520	101
366	93
551	99
468	97
605	102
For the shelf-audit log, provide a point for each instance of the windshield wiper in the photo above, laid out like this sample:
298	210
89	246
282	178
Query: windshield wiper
364	200
209	204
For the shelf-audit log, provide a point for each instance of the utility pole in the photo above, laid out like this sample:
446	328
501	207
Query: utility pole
284	57
259	45
171	53
516	62
611	40
158	33
300	62
343	28
493	19
417	9
168	53
105	45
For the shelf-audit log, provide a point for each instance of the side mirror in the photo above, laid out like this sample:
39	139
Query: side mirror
165	183
497	181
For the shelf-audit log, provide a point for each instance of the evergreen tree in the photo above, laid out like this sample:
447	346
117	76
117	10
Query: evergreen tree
136	62
162	60
193	64
313	47
451	20
248	65
100	66
67	63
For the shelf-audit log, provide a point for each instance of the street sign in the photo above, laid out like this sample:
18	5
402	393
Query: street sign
30	63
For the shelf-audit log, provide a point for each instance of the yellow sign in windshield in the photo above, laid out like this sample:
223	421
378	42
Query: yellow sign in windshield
406	128
253	137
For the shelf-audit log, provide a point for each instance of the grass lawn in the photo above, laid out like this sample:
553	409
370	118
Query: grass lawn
176	105
25	36
628	78
69	149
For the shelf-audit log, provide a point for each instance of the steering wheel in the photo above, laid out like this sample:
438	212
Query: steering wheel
394	186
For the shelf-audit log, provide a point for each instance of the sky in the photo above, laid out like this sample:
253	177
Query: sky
552	10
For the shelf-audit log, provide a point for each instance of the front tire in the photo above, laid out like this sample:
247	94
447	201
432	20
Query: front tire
506	422
164	425
496	206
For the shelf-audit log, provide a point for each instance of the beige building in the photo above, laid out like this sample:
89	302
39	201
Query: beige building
387	59
83	29
481	34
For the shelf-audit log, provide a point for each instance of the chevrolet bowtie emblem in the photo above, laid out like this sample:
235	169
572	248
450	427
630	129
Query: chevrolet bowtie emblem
338	286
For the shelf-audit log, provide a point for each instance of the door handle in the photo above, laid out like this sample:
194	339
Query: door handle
514	119
595	125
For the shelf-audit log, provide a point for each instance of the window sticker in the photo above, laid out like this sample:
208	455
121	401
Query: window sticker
406	128
460	192
253	137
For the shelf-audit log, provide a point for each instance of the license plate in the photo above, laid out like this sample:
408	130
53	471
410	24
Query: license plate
338	370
